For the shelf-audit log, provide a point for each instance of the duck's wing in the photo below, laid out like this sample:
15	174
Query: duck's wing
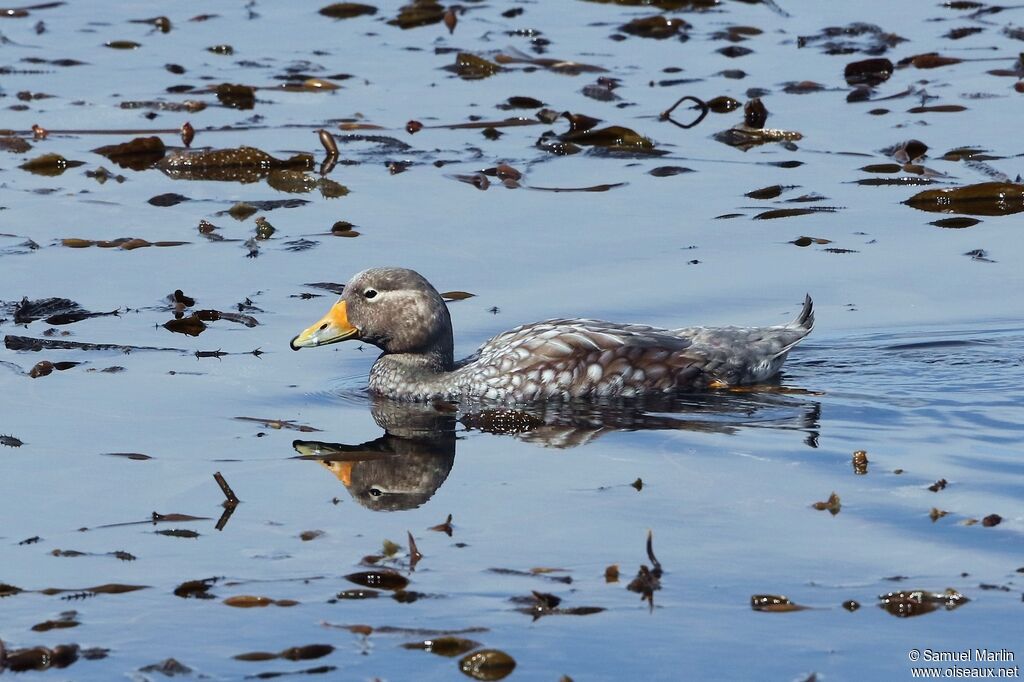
574	357
577	357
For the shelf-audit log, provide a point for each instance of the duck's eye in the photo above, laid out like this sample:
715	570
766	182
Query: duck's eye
370	293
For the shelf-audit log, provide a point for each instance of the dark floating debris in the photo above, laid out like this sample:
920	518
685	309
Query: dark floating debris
45	368
540	604
668	171
178	533
108	588
752	133
418	13
50	165
902	181
278	424
55	311
856	37
792	212
774	603
448	646
536	572
583	131
957	223
67	619
235	96
28	343
647	580
38	658
908	603
986	199
381	579
471	67
979	255
229	495
870	72
519	102
807	241
699	104
770	192
445	527
938	109
832	505
563	66
168	667
295	653
122	243
240	164
860	462
991	520
14	144
657	26
248	601
358	594
414	553
167	199
907	152
667	5
136	154
487	664
196	589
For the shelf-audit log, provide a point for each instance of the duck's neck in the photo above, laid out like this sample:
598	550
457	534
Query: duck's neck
412	376
434	361
416	368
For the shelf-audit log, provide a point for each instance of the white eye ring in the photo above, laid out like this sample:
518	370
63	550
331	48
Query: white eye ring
370	293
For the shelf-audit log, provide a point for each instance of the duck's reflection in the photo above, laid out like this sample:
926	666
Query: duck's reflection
400	470
405	467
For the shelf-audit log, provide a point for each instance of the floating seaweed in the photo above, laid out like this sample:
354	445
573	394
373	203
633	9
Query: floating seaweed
985	199
832	505
50	165
418	13
774	603
122	243
658	27
240	164
295	653
347	10
487	664
248	601
909	603
448	646
278	424
136	154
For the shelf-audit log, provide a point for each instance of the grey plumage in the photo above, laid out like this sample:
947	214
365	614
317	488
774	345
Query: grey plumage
561	358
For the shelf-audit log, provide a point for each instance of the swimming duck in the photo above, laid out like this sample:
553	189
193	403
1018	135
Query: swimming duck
399	311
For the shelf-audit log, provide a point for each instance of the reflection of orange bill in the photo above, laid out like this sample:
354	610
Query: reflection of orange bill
343	470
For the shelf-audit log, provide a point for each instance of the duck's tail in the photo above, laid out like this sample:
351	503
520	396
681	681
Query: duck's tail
805	320
797	330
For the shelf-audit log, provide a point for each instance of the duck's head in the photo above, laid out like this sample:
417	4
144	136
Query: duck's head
395	309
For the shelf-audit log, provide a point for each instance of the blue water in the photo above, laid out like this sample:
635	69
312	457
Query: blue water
916	357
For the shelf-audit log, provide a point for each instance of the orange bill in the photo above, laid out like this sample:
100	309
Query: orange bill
331	328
